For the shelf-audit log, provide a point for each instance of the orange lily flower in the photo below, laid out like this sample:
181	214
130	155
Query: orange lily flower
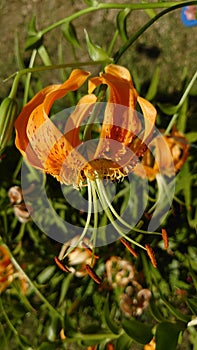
152	166
124	135
45	147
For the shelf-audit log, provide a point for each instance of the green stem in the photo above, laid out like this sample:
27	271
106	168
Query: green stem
40	295
17	75
94	198
27	83
115	6
170	8
13	329
182	100
86	225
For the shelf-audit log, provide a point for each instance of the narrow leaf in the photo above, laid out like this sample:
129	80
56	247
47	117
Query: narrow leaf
138	331
121	23
70	34
153	87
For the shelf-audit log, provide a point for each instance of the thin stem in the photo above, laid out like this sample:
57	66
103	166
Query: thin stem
13	329
86	225
110	217
17	75
111	46
94	197
115	6
170	7
27	83
45	301
174	117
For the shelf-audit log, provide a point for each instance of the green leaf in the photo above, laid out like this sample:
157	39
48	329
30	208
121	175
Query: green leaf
192	304
191	136
32	27
96	53
47	346
34	42
168	109
123	342
110	323
53	328
138	331
179	315
167	335
121	23
65	287
70	34
155	312
153	87
46	274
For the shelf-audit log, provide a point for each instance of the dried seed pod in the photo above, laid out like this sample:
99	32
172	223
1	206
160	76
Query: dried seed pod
15	195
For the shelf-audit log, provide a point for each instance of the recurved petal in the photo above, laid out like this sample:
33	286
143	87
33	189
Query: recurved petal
83	109
36	134
21	140
149	113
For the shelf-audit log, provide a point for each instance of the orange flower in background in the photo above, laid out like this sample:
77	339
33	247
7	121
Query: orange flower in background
161	162
47	148
8	273
6	269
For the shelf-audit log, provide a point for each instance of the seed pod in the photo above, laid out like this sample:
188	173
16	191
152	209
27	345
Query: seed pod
8	113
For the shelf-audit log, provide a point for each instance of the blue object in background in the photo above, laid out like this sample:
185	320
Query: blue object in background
184	17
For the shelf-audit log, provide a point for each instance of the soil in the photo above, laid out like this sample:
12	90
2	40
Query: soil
167	44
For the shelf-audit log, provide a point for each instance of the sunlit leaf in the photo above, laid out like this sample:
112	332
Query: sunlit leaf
96	52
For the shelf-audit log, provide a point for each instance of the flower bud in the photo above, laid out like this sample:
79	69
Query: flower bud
8	113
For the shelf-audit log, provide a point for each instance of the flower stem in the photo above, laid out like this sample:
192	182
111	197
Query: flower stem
174	117
41	296
27	83
86	225
115	6
170	7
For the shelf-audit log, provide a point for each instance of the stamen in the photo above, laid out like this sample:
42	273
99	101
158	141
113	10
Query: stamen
151	254
165	238
61	265
93	274
130	249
